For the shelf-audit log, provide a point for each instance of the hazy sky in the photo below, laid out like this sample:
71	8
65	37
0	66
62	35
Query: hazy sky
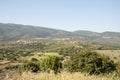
94	15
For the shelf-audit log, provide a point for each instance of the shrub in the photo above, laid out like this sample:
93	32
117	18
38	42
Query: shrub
47	64
34	59
90	62
30	66
51	63
11	67
118	69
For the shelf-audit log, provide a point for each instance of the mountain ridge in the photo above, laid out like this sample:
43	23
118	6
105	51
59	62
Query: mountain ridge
14	32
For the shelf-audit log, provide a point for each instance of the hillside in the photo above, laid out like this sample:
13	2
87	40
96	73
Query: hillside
14	32
112	38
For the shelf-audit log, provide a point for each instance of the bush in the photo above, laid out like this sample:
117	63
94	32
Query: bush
51	63
47	64
11	67
118	69
34	59
90	62
30	66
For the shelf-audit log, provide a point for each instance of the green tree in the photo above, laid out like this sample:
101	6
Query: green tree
90	62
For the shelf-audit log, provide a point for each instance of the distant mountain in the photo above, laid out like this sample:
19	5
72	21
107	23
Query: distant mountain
14	32
112	38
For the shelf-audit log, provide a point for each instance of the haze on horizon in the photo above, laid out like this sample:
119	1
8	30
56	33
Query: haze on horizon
70	15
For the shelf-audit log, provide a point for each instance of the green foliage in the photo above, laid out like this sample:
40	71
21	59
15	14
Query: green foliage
11	67
118	69
12	54
30	66
69	50
90	62
52	63
34	59
47	64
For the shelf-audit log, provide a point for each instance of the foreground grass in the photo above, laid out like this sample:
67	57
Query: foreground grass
60	76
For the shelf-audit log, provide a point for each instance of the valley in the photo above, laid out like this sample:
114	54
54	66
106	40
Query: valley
42	52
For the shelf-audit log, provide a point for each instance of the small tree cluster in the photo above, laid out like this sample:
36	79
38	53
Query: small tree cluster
90	62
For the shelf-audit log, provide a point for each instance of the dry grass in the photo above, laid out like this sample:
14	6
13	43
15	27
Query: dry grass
60	76
113	54
39	56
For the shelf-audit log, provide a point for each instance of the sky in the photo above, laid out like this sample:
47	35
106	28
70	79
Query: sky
70	15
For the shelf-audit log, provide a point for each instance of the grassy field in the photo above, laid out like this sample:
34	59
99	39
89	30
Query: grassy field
113	54
60	76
